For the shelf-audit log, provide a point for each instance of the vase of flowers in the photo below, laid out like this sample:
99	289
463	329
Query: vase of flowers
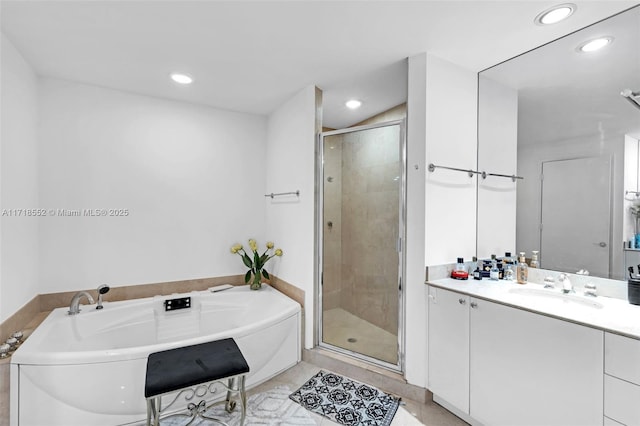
255	261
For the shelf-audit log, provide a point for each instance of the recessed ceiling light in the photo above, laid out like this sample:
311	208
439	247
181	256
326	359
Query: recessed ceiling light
555	14
353	104
181	78
594	44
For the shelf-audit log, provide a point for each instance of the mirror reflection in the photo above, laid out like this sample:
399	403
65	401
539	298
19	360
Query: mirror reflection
563	117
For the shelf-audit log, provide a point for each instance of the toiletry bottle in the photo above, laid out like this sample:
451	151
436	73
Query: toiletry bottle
508	272
460	264
494	273
477	274
534	260
522	270
507	260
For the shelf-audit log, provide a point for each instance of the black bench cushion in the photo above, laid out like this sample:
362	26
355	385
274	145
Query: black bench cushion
179	368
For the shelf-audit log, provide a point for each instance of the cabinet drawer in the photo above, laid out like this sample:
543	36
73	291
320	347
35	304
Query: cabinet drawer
621	355
621	401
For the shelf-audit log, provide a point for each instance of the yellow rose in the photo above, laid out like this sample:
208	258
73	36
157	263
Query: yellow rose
278	252
269	245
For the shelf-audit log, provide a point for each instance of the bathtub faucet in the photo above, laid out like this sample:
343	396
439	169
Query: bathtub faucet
74	307
102	290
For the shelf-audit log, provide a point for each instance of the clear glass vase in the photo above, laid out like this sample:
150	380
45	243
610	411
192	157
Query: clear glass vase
256	283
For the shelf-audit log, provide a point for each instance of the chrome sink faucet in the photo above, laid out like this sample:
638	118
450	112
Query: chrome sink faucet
565	284
74	307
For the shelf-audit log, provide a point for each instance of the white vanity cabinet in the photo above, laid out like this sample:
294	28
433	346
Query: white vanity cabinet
530	369
505	366
621	380
449	347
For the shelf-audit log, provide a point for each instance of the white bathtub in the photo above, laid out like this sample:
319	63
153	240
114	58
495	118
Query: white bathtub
89	369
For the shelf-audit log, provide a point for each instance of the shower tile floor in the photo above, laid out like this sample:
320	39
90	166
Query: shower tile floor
411	413
345	330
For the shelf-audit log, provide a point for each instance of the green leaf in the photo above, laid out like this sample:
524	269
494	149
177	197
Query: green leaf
247	276
256	260
247	261
263	259
265	274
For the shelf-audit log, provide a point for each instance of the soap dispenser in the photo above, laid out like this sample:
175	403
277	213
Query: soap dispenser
534	260
522	270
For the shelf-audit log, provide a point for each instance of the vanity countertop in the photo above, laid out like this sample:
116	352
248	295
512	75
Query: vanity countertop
605	313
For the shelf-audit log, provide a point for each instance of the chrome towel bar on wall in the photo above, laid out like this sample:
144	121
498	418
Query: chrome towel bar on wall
279	194
433	167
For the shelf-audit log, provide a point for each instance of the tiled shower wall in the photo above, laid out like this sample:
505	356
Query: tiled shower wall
332	223
370	204
360	220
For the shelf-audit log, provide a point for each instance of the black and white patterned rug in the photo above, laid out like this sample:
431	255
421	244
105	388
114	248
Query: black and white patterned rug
346	401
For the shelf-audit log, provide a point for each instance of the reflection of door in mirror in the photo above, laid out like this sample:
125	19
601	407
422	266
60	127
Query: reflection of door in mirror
576	205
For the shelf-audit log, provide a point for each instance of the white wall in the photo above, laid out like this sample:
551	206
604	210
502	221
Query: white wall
451	140
441	206
191	178
415	290
290	160
497	153
18	181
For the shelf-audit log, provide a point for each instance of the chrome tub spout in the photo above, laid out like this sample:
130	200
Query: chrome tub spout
74	307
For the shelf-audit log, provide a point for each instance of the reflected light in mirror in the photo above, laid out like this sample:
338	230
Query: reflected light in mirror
555	14
595	44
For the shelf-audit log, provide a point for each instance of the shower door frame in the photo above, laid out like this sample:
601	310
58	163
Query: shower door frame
400	244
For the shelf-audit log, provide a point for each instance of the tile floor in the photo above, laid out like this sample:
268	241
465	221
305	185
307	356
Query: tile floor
345	330
429	414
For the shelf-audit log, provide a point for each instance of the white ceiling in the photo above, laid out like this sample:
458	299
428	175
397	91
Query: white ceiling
251	56
565	95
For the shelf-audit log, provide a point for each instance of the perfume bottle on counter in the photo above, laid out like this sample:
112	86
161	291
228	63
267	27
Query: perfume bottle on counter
508	272
522	270
494	273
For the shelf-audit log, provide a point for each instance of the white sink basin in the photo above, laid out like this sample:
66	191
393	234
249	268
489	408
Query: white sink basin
555	297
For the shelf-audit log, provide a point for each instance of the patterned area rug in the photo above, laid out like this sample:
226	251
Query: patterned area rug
346	401
271	408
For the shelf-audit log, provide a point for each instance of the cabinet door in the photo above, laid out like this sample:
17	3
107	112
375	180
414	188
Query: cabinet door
449	347
529	369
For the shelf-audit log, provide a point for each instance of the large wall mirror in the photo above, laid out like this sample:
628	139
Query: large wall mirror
557	117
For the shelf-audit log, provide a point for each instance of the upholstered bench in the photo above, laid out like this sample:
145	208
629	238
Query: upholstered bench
194	370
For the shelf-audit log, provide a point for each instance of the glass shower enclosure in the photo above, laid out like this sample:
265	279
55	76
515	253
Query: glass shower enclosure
361	232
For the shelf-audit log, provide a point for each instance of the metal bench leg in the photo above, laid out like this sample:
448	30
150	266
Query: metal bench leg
243	400
152	412
148	412
230	404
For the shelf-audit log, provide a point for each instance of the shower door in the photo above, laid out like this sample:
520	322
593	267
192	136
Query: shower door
361	233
